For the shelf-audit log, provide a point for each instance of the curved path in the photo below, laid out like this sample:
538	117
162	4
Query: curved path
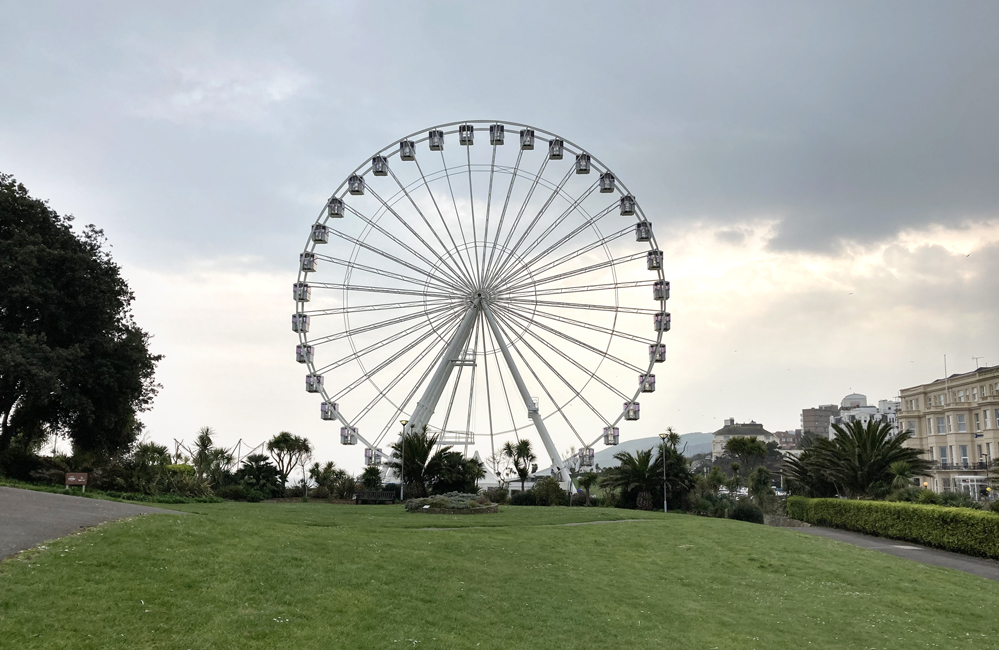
28	517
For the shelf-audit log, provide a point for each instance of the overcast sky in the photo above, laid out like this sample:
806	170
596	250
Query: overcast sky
822	177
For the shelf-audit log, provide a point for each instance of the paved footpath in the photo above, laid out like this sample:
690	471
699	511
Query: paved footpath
28	517
978	566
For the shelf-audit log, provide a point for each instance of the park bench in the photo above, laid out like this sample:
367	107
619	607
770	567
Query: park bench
378	496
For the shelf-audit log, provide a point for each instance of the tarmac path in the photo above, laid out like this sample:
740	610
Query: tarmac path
978	566
29	517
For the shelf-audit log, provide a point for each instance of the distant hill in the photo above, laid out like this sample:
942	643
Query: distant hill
696	443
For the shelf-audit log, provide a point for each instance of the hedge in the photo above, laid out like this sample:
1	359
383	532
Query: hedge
962	530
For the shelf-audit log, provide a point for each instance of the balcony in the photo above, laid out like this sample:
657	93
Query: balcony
960	466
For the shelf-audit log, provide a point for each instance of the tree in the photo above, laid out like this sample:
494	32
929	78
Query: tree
258	474
421	463
856	463
639	478
522	456
288	451
371	477
749	451
327	476
586	481
72	360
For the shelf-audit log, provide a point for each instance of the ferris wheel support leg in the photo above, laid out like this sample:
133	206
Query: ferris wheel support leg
428	402
532	412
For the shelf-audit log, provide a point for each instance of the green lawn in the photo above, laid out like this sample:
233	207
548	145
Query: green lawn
302	576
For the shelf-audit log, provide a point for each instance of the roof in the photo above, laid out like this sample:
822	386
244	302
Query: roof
985	371
744	429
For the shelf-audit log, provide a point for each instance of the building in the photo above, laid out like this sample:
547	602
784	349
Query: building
731	429
816	420
955	422
886	411
790	439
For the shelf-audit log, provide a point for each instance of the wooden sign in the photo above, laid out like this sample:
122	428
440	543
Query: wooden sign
77	478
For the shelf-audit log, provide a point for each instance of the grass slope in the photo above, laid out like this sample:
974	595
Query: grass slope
320	576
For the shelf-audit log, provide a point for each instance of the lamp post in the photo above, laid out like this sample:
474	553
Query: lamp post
662	455
402	464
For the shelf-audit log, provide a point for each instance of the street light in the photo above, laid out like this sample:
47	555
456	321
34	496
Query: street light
662	455
402	463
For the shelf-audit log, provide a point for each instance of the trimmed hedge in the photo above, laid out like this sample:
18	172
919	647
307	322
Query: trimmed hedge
962	530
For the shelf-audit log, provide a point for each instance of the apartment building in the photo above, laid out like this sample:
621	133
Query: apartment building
955	422
885	411
816	420
731	429
789	439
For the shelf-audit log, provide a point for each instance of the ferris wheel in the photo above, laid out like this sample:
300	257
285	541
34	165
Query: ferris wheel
504	286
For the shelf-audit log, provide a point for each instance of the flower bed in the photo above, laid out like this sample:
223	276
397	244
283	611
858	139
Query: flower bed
452	503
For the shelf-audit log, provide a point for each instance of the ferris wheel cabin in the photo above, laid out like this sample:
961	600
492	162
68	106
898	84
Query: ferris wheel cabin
657	352
583	163
372	456
379	166
527	139
348	435
612	435
496	134
313	383
643	231
648	383
631	410
660	290
304	353
308	262
607	181
355	185
435	139
301	292
661	321
627	205
334	208
466	135
555	149
320	233
407	150
328	410
299	323
654	260
585	457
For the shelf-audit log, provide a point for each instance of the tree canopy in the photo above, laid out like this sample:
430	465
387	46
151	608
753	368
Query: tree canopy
72	360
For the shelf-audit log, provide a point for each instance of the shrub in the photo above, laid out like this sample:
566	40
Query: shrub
579	499
497	495
548	492
994	507
449	501
962	530
746	511
524	498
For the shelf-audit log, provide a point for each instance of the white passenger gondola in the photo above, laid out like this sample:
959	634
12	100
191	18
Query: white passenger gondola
496	134
328	410
407	150
372	456
379	166
583	163
527	139
320	233
654	260
631	410
643	231
612	435
301	292
300	323
348	435
660	290
313	383
466	134
607	183
308	261
627	205
334	208
661	321
355	184
304	353
648	383
657	352
555	149
435	139
586	457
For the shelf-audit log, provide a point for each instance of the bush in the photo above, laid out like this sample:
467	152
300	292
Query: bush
449	501
579	499
497	495
525	498
548	492
746	511
962	530
994	507
928	496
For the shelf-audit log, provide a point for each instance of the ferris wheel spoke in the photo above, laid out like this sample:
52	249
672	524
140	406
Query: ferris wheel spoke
528	267
391	338
592	327
377	250
575	341
530	227
387	274
330	338
506	204
468	272
471	207
489	205
544	388
489	397
591	307
581	271
452	276
457	381
500	261
524	272
471	390
457	215
388	290
337	311
609	286
506	394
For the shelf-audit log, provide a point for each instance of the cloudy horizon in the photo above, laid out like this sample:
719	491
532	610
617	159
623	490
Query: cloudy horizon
821	178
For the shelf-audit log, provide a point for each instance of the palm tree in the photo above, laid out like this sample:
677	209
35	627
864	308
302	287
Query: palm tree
902	475
421	463
856	463
522	456
636	477
201	457
587	481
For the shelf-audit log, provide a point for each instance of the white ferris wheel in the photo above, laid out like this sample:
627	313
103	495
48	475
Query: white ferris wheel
506	285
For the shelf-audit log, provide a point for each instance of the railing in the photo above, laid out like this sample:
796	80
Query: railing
960	466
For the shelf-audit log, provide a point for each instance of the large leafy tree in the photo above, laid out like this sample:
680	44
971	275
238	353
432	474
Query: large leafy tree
289	451
749	451
522	456
72	360
860	462
639	477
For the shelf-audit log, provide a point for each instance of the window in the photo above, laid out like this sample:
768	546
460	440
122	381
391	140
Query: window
962	424
986	414
911	427
964	455
988	450
951	450
974	394
978	422
979	457
940	426
960	396
950	423
943	455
